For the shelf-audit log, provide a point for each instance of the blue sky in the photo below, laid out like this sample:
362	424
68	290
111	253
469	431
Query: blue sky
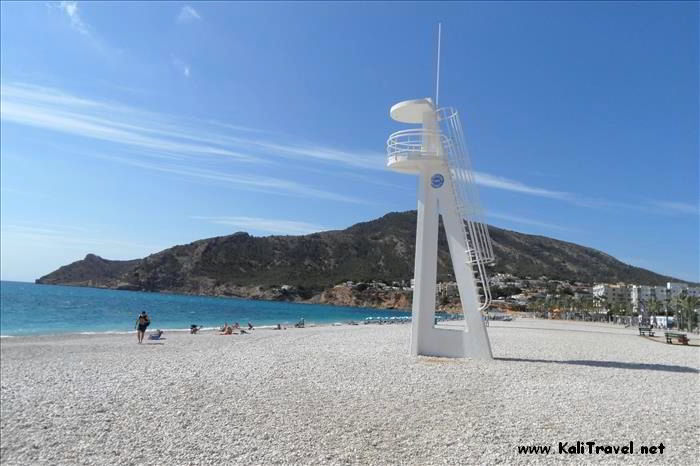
127	128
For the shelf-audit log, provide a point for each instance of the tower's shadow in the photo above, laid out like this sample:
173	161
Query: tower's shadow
611	364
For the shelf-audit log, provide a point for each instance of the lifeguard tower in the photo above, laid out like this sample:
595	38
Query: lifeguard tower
436	152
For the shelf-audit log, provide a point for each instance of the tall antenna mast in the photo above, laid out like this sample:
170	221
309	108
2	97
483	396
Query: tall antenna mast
437	85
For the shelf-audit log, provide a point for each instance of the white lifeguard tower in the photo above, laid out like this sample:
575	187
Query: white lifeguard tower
437	154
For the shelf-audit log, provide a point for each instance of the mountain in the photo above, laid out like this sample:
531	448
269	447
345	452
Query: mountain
91	271
381	249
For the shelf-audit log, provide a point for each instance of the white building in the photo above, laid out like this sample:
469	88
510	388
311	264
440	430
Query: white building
647	294
610	295
663	294
676	290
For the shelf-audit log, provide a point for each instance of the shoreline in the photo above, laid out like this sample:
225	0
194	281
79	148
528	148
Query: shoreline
203	330
553	323
286	325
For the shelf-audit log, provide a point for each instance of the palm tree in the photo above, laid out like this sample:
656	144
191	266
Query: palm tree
622	310
625	311
653	308
687	306
586	306
565	305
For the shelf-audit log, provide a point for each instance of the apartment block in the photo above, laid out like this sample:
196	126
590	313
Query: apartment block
611	294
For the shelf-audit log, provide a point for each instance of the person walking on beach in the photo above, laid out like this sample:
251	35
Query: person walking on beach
142	324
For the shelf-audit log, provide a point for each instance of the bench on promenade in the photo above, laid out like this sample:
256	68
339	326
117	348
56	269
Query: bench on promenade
681	337
647	330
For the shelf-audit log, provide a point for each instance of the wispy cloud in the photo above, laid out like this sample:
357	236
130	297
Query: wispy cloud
67	114
527	221
680	207
67	238
498	182
263	184
26	229
364	160
652	207
72	12
164	138
646	206
183	67
188	15
56	110
44	228
266	225
76	22
237	128
187	140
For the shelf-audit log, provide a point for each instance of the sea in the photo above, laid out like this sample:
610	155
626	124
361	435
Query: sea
30	309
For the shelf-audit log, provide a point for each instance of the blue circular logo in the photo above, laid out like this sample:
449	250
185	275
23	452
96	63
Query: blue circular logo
437	180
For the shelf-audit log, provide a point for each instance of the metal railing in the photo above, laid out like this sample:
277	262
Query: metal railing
476	233
415	142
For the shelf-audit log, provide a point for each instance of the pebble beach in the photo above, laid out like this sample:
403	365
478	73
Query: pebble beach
346	395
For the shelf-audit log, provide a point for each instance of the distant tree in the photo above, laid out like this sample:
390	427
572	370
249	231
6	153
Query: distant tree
653	308
686	306
588	303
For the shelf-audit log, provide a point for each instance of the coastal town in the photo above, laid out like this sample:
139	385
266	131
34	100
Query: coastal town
660	305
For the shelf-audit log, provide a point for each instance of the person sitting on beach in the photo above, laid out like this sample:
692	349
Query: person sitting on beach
226	330
142	324
156	336
236	325
250	326
194	329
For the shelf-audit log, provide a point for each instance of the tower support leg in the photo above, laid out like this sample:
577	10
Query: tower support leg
426	338
476	340
425	273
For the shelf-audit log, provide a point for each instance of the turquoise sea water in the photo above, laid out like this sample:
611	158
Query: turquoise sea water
29	309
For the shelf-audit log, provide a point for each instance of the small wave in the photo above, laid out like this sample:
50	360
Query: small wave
150	330
106	332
